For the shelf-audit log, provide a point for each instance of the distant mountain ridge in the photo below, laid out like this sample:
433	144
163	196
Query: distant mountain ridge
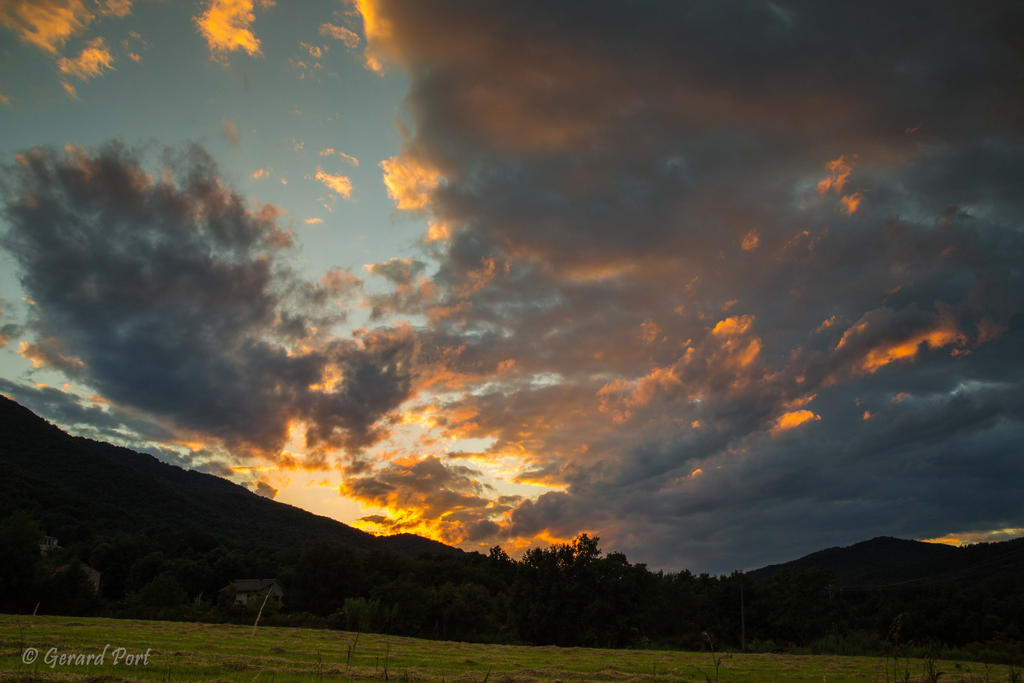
886	561
84	487
77	487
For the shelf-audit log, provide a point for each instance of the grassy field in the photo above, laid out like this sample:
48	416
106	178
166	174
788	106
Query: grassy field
216	652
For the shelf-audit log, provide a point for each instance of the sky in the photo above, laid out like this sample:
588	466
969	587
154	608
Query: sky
719	283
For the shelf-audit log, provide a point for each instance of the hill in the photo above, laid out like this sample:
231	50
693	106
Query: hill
886	560
81	488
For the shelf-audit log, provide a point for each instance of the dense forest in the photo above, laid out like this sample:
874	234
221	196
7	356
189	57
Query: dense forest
169	553
568	594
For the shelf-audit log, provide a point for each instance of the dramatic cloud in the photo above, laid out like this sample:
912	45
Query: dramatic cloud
684	251
174	298
720	283
424	495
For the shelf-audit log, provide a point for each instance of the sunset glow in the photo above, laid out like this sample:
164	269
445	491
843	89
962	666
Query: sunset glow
693	280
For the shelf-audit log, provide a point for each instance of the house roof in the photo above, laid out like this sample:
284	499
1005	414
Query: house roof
252	585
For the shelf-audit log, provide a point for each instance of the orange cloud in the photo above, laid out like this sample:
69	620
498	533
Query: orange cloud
660	380
478	278
314	221
195	447
48	353
849	333
349	38
799	402
750	241
409	182
649	331
985	536
117	8
315	51
851	202
347	157
423	495
225	26
733	326
133	44
260	173
746	356
793	419
336	183
90	63
590	272
737	349
943	540
828	322
47	24
377	31
437	232
838	173
943	334
989	329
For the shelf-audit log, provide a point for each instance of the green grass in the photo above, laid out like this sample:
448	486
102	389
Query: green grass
218	652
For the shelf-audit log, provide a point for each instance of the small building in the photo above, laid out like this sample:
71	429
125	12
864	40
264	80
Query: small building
49	544
243	589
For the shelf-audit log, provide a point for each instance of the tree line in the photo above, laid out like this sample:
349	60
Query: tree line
569	594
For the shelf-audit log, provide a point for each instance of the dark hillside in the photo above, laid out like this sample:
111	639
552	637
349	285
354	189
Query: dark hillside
886	560
79	488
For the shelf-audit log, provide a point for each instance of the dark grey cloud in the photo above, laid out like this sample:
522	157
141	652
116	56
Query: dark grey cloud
88	416
173	296
723	360
264	489
94	417
8	328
